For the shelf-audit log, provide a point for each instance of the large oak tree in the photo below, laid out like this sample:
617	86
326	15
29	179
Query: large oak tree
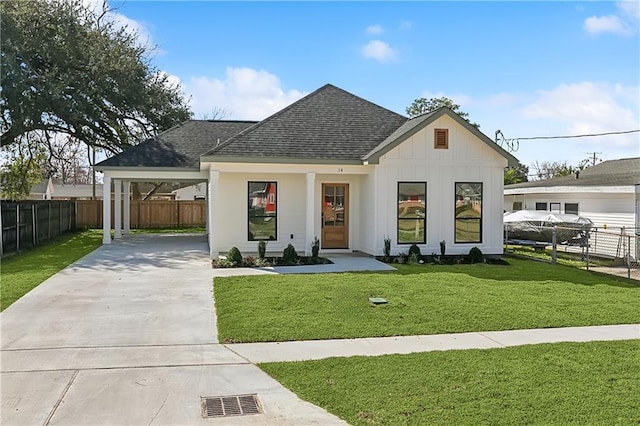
66	68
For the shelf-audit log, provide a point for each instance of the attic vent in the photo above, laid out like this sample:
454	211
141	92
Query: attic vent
441	139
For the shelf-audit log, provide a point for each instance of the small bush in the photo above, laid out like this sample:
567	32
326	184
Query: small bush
249	261
413	259
262	263
290	256
414	249
262	249
234	256
387	249
222	263
315	248
475	255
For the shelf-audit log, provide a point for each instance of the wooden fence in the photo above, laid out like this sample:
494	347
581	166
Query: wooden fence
26	224
147	214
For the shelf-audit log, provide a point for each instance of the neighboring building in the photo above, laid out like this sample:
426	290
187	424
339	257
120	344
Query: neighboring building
335	166
607	193
192	192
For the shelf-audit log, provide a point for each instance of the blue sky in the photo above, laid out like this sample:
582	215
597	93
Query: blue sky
526	68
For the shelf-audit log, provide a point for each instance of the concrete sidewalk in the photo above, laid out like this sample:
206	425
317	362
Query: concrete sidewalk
319	349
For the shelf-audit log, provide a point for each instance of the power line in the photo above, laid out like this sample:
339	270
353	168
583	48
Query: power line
513	144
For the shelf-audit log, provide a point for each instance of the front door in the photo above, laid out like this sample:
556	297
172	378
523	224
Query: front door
335	215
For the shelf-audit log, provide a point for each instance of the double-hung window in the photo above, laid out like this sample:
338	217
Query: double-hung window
263	211
468	212
412	212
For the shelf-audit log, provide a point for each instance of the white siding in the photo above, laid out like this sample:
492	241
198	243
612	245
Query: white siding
613	210
466	160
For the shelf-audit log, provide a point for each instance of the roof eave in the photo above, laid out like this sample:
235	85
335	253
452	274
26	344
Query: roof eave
278	160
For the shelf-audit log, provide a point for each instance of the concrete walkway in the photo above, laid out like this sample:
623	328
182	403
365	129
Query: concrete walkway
127	335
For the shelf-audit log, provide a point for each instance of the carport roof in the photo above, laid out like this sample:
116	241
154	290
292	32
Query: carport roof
179	147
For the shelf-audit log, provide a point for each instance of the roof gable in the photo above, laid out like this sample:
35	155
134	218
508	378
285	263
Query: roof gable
178	147
414	125
329	124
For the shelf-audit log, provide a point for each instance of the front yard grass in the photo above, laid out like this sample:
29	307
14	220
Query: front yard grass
422	299
561	383
21	273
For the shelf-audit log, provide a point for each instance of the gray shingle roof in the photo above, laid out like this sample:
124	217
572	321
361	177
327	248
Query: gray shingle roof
328	124
181	146
621	172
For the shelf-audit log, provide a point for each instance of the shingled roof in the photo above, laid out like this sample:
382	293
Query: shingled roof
327	125
623	172
179	147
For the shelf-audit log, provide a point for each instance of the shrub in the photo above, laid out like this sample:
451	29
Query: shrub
289	256
261	263
387	249
222	263
443	247
414	249
315	248
475	255
413	259
249	261
234	256
262	249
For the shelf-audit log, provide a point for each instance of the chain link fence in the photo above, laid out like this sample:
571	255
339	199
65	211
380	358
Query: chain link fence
613	251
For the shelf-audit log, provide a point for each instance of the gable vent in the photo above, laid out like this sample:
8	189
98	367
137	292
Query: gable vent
441	139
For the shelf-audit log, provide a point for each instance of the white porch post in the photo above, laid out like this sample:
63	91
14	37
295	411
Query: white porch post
214	179
117	209
106	210
127	206
311	184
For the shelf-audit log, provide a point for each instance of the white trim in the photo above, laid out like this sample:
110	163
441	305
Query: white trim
311	187
214	180
117	209
127	207
628	189
154	175
337	169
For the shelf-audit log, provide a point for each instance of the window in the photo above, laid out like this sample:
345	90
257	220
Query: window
468	216
554	207
541	206
441	139
412	217
517	205
571	208
263	212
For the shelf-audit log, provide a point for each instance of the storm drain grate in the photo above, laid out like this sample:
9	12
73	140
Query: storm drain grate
232	405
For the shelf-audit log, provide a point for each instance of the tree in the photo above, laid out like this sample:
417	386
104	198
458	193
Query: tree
67	69
551	169
423	106
516	174
24	168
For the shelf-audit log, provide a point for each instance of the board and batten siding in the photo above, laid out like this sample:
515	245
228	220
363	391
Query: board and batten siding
467	159
615	210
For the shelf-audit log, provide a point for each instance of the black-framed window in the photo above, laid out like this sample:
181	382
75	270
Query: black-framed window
412	212
541	206
554	207
263	211
571	208
468	212
517	205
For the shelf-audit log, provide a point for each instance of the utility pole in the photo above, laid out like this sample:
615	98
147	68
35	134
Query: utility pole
595	158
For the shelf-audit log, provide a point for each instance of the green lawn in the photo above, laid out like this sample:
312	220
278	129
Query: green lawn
562	383
423	299
23	272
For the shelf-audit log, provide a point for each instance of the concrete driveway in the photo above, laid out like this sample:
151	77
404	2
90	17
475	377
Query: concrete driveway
127	335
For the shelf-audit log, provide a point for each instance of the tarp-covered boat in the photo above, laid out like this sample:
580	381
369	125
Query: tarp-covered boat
536	225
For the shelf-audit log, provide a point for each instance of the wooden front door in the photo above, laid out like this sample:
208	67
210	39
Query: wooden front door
335	215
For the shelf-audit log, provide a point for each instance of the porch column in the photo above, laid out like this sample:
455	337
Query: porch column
212	226
106	210
309	234
127	207
117	210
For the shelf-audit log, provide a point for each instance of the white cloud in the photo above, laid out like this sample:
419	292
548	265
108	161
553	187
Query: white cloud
589	107
374	29
606	24
121	21
624	22
380	51
243	94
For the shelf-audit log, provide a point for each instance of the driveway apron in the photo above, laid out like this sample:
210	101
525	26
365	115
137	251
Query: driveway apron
127	335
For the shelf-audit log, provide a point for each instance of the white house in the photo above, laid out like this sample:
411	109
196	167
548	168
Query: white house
607	193
191	192
333	166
